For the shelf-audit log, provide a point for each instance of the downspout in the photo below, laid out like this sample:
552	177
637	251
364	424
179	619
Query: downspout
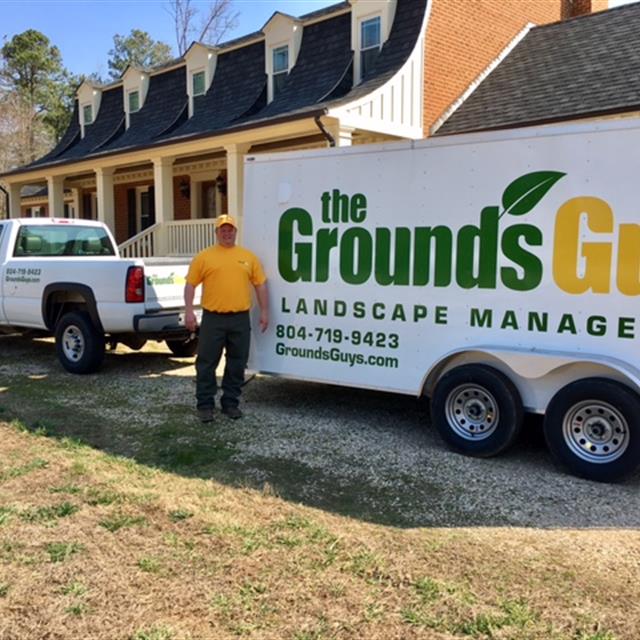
330	139
6	197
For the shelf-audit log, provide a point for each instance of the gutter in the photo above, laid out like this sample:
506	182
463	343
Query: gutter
330	139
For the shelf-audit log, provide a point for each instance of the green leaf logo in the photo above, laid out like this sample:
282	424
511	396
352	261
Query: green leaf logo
524	193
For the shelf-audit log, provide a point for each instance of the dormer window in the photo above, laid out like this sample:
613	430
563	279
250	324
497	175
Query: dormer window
282	42
201	62
370	43
87	114
134	101
198	83
280	68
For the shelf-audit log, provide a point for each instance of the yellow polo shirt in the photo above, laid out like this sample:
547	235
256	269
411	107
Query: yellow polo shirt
225	274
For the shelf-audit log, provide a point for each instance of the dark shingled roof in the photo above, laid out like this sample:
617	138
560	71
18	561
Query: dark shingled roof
395	52
324	56
109	120
567	70
405	31
322	78
166	101
238	83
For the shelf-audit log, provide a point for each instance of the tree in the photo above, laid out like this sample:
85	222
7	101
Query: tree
208	26
34	108
137	49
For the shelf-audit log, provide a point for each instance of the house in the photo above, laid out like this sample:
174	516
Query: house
158	154
582	69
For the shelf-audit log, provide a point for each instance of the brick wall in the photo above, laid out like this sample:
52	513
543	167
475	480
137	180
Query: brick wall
465	36
181	203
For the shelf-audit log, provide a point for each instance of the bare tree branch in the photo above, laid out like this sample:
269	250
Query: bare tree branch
215	22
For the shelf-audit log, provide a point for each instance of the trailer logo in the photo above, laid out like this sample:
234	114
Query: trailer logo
438	255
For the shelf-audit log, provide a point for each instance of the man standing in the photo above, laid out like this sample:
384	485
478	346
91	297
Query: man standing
225	272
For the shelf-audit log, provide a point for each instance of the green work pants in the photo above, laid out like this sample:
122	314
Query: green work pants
231	333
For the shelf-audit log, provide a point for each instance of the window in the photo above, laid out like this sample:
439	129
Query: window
134	101
198	83
370	40
87	113
62	240
280	68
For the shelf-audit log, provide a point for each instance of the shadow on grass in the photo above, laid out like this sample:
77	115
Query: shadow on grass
365	454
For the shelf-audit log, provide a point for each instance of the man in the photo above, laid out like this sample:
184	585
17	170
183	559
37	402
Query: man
225	272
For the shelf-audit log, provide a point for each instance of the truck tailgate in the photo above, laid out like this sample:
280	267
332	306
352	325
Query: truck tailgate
164	282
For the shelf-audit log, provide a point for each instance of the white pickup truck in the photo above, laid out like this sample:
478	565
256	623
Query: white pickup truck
65	278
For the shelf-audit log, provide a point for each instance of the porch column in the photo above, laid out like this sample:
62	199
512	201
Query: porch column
163	188
235	180
196	189
75	195
105	197
55	196
14	200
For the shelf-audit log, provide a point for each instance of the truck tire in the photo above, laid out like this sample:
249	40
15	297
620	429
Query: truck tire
477	410
592	429
183	348
79	345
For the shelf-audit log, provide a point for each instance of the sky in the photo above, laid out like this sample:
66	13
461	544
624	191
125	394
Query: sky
83	30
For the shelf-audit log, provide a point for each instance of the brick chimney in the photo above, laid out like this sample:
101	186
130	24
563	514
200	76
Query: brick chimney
575	8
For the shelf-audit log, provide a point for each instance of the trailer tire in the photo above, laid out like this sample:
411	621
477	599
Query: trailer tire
183	348
477	410
79	345
592	429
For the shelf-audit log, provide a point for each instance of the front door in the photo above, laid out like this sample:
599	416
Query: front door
141	209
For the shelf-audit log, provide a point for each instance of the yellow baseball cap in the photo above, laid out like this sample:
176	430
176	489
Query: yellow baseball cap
225	219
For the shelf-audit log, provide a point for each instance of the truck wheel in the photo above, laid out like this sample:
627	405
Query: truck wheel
80	347
183	348
477	410
592	428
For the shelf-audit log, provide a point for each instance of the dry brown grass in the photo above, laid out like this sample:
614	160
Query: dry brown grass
93	546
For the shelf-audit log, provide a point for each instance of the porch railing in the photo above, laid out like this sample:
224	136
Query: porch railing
188	237
176	238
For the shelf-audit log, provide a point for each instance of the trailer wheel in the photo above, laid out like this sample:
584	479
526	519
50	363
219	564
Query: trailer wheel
183	348
592	428
477	410
79	345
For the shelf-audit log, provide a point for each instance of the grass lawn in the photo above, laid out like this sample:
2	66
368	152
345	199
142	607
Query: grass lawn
108	533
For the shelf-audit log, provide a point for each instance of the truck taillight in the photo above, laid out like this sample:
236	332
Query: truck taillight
134	291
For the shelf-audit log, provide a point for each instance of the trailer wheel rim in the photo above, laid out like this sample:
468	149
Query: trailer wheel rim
472	412
73	344
595	431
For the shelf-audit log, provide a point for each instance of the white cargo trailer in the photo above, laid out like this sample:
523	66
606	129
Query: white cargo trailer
495	273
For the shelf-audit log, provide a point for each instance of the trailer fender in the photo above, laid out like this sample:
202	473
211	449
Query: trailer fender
538	375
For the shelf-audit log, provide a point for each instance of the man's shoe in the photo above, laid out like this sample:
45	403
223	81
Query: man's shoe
233	412
205	415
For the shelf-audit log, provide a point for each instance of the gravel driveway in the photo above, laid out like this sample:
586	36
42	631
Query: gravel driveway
366	454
